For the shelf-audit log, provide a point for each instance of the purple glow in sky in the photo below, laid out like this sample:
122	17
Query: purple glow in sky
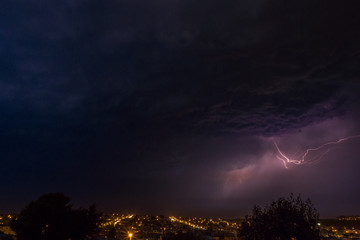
266	177
311	155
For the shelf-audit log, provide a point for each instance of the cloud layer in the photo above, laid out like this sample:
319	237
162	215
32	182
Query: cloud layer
166	100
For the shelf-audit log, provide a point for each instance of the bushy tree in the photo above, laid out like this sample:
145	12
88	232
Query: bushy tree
52	217
285	219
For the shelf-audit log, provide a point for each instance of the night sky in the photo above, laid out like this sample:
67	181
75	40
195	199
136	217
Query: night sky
173	106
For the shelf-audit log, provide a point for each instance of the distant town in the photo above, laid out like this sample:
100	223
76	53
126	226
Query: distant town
132	227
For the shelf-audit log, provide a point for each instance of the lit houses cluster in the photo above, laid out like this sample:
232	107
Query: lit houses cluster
341	228
159	227
4	224
119	226
134	227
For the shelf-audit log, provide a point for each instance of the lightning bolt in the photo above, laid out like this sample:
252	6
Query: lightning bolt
305	159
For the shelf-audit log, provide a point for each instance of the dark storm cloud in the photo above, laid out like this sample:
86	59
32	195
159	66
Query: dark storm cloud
299	73
223	69
129	96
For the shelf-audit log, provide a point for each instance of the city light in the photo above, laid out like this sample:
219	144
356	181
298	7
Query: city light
136	227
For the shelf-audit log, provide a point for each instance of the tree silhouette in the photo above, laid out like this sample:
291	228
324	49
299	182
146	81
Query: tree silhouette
285	219
52	217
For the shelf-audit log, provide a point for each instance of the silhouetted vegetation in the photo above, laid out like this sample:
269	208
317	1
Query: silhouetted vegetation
285	219
182	236
52	217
